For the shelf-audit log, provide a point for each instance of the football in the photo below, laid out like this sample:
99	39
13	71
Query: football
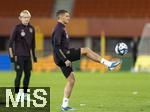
121	48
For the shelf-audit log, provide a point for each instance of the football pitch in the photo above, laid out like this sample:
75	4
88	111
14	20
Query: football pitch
94	92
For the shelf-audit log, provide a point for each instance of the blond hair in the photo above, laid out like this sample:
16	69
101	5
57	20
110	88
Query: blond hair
22	13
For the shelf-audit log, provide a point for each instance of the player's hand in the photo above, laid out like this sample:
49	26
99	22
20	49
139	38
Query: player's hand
35	59
68	63
12	59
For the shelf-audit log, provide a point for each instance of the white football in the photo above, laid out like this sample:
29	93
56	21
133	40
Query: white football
121	48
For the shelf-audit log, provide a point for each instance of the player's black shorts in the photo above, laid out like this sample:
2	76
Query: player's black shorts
72	54
23	63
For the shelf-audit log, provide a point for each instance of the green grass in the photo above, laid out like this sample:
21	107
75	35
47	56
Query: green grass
95	92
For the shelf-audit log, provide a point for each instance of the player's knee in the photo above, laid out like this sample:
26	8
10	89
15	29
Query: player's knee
18	77
85	50
26	78
71	78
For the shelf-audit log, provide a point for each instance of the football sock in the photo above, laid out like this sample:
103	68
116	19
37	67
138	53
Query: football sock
65	102
105	62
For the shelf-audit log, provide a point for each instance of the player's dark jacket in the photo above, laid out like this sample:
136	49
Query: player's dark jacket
60	43
22	40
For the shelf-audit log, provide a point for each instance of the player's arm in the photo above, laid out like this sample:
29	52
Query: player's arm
10	44
57	43
32	50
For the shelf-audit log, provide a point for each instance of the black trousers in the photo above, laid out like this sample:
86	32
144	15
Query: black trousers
22	64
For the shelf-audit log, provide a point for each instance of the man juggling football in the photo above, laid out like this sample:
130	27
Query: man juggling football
64	56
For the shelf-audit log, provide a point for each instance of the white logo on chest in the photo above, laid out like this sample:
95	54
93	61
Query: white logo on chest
66	35
31	30
22	33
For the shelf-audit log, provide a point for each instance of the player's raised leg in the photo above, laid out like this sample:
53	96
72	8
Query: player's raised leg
97	58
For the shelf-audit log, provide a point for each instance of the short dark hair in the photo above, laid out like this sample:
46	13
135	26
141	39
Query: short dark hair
60	12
